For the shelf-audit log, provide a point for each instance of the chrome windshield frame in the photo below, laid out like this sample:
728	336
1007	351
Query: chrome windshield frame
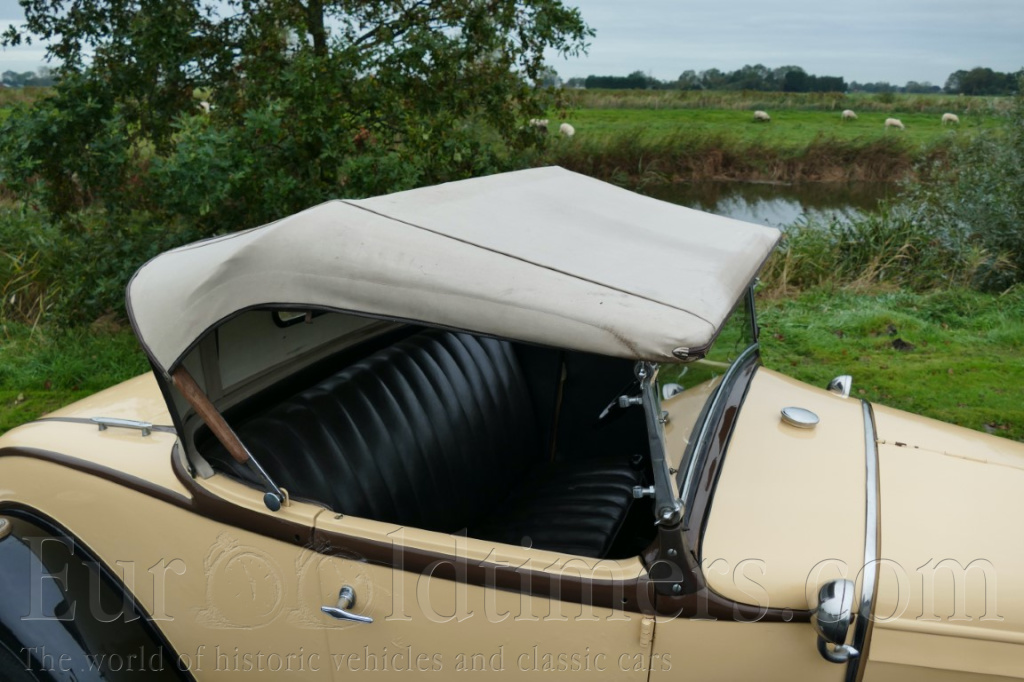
714	407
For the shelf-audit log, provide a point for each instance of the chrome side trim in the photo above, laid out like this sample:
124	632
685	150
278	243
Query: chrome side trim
872	549
92	420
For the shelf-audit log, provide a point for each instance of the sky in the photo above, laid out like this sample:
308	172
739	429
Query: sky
861	40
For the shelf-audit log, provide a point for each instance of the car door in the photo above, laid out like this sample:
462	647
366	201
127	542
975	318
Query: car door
446	603
726	650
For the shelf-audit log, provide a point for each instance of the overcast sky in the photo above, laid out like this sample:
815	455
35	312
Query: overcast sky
861	40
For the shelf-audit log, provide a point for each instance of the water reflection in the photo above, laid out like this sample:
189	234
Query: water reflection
773	204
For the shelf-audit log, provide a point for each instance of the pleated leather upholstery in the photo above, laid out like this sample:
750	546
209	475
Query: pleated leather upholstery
436	432
574	508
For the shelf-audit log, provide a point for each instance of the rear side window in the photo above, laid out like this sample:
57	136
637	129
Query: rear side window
64	616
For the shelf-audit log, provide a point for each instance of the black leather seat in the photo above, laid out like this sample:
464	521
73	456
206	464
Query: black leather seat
438	432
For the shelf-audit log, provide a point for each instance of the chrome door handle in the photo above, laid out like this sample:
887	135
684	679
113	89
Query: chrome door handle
346	600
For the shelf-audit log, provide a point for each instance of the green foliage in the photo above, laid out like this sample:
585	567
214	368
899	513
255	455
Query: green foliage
50	274
393	95
983	81
979	201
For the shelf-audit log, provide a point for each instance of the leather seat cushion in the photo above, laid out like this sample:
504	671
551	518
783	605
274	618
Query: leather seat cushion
574	508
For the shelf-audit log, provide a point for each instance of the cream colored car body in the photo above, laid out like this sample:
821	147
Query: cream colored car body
218	590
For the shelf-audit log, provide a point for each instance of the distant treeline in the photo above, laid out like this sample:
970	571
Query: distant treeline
13	79
977	81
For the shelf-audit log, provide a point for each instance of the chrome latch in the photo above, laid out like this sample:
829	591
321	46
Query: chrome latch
346	600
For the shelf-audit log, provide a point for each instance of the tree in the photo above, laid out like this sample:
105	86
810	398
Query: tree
688	80
982	81
796	81
549	78
311	99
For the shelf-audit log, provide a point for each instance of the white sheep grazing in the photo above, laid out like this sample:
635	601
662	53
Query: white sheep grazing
849	115
761	116
950	118
894	123
540	124
567	130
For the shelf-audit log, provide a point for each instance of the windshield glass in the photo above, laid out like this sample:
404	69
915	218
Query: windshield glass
687	390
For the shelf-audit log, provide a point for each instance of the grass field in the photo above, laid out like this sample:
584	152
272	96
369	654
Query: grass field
951	355
788	129
749	100
637	136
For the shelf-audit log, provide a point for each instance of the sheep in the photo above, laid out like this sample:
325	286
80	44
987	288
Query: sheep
849	115
894	123
567	130
540	124
950	118
761	116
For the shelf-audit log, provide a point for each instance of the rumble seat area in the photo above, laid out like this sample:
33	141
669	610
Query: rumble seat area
438	431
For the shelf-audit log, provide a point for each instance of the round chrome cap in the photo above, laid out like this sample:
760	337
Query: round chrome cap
799	417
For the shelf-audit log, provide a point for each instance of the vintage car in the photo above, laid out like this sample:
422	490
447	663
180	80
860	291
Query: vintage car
510	425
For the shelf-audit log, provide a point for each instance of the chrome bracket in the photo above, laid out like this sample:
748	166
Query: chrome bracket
640	492
106	422
630	401
841	385
668	508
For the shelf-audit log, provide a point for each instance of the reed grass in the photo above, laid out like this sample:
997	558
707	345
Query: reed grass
808	101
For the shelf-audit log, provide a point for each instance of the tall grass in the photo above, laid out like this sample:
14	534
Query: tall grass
754	99
12	96
634	156
892	249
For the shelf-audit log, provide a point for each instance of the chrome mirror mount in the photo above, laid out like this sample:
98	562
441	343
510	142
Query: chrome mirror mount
832	620
841	385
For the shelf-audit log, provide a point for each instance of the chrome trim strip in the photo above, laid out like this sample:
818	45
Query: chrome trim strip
872	549
92	421
699	444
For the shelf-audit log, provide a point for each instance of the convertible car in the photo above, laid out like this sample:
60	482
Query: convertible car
511	425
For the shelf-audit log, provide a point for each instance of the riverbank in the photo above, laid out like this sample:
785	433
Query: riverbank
637	157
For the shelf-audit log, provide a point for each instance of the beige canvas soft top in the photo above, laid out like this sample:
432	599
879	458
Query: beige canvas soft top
545	256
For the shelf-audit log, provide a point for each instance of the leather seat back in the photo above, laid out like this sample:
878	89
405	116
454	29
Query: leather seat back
430	432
